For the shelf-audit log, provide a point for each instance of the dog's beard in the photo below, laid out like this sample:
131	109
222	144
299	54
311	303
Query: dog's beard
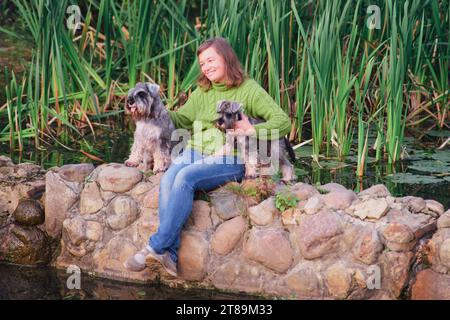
225	125
142	109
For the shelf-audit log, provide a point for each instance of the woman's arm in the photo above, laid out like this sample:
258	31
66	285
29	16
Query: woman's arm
261	105
185	116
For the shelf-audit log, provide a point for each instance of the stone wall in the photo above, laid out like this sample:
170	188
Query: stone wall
22	234
334	244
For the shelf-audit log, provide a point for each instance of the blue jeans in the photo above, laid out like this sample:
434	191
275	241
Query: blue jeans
189	172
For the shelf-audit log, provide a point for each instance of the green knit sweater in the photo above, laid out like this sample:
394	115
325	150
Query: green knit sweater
199	114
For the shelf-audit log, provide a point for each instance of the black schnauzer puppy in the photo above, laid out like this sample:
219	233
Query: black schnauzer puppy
250	147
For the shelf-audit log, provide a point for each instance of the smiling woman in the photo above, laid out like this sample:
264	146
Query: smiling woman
197	168
212	65
219	68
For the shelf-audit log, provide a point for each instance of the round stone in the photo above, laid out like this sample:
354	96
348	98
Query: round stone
29	213
118	178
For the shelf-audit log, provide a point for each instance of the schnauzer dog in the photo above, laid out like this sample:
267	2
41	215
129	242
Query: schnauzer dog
152	138
230	112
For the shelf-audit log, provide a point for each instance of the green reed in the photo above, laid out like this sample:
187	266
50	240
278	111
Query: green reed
319	61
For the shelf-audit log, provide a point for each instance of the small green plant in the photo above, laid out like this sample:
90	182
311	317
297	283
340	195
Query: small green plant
148	173
241	190
285	200
202	195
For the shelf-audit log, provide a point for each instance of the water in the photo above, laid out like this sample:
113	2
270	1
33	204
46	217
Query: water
46	283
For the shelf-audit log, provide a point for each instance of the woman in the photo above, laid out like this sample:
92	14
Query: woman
222	78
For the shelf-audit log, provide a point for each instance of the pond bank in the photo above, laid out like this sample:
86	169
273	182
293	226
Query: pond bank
328	246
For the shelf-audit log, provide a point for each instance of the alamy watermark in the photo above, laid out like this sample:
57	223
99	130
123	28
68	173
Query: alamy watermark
373	280
263	149
374	20
73	21
74	280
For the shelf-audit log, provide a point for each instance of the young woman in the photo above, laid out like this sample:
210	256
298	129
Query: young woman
222	78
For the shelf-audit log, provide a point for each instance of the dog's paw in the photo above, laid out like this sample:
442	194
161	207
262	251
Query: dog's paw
159	169
251	176
129	163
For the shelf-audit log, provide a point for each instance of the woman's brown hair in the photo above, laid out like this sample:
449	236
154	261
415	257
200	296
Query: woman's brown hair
233	68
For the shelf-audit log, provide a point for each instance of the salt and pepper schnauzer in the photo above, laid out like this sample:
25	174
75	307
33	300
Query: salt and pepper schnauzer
230	112
152	138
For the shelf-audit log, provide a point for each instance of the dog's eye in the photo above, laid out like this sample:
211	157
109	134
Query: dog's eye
142	95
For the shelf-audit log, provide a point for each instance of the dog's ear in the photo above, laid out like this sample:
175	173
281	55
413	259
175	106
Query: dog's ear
236	107
221	105
153	88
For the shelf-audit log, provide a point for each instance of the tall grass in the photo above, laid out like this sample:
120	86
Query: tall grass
334	76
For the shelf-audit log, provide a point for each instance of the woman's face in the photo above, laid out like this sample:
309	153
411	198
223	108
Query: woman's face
212	65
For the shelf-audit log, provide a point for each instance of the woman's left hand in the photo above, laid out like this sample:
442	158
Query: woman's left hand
243	127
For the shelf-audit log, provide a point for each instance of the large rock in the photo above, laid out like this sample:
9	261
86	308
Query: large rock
238	275
226	204
303	191
200	218
29	213
399	233
305	282
332	187
434	250
396	266
444	220
398	237
263	213
140	191
122	211
59	198
76	172
26	170
228	235
313	205
368	247
339	199
24	245
372	209
109	259
434	207
119	178
193	256
80	236
270	247
9	199
90	199
319	234
414	204
339	281
430	285
5	161
376	191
